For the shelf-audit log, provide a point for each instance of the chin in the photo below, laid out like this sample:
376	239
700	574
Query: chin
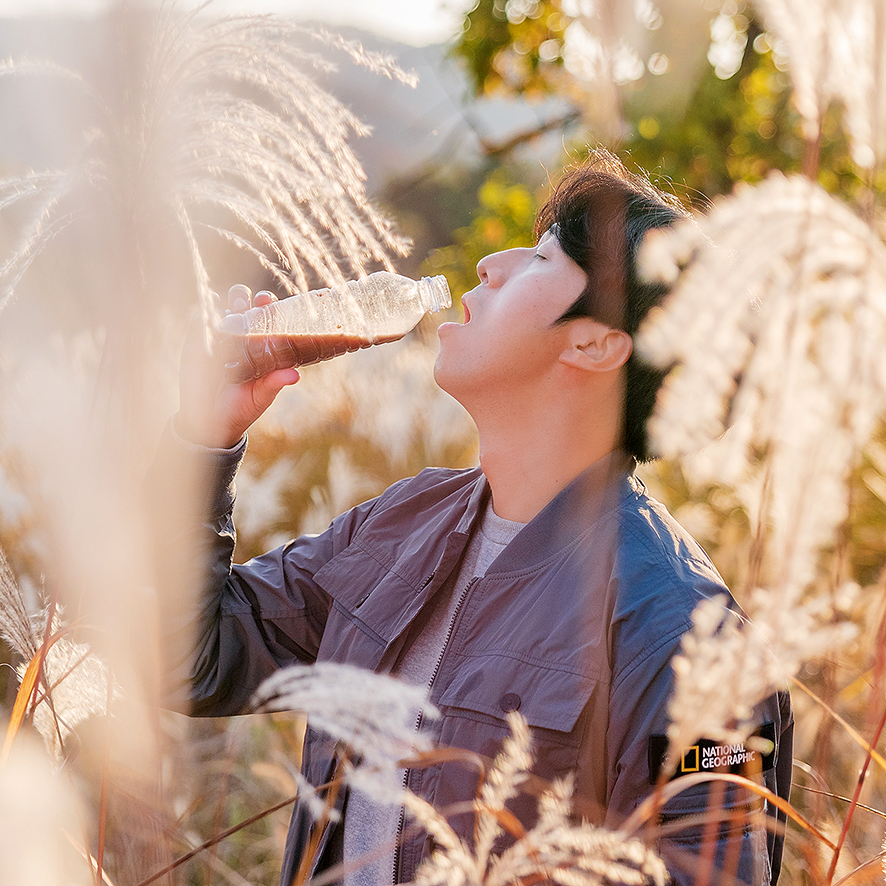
447	377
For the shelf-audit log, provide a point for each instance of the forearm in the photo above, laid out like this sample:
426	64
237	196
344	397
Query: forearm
190	499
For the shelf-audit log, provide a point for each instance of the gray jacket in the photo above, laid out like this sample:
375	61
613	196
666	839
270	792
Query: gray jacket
574	625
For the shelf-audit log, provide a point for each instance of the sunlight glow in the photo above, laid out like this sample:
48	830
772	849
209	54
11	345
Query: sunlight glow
417	22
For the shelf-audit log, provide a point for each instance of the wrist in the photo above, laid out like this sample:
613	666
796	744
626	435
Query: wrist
197	434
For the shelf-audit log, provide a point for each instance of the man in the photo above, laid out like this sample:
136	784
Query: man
543	581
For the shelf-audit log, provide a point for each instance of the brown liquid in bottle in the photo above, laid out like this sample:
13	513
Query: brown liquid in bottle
252	356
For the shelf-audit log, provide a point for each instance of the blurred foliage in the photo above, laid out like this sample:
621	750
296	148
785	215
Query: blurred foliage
504	219
737	129
450	188
222	772
728	129
512	45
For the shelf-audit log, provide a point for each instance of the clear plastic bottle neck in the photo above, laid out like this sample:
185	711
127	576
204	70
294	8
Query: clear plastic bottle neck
434	293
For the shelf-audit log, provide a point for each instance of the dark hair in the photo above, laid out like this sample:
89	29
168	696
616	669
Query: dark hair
599	213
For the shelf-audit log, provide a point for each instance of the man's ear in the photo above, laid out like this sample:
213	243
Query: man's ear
596	347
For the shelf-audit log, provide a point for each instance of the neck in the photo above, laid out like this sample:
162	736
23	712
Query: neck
526	468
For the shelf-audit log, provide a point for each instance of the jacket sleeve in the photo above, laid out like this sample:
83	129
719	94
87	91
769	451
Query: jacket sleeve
225	628
709	823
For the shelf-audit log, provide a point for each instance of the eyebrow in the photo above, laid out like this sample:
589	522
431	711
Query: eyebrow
550	233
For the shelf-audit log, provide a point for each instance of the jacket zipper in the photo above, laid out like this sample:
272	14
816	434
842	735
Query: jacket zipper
418	721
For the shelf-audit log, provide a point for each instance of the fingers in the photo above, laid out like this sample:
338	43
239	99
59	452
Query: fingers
264	390
213	411
239	298
264	298
268	386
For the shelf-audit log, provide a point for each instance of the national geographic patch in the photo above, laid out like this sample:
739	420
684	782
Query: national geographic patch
710	756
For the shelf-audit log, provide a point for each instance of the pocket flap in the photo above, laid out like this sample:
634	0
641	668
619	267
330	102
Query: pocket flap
497	684
369	592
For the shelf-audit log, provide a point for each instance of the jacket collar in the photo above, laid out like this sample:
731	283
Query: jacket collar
479	495
571	514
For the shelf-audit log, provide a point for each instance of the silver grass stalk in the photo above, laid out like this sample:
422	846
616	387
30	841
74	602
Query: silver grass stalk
229	120
196	127
726	665
17	626
836	51
503	783
281	164
75	688
603	49
775	325
555	850
372	715
75	681
206	126
805	35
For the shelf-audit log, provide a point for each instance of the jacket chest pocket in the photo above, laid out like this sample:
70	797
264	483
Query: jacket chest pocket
475	705
485	689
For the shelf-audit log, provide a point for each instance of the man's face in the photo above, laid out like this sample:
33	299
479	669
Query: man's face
510	337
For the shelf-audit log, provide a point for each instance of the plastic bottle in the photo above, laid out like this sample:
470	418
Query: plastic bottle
324	323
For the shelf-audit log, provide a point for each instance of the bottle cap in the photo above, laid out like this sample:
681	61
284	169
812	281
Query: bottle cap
435	294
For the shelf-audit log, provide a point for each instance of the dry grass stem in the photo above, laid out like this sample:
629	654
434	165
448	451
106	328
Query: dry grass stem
556	849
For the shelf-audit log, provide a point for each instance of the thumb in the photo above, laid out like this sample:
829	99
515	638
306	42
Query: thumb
266	388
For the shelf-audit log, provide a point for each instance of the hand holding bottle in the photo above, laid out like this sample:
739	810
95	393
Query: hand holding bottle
260	344
213	411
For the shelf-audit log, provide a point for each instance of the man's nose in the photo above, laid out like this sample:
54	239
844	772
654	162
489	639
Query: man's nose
493	268
483	268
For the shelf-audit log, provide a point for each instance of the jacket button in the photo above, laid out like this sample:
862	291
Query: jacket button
509	702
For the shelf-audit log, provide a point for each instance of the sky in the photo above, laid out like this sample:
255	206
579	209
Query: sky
418	22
